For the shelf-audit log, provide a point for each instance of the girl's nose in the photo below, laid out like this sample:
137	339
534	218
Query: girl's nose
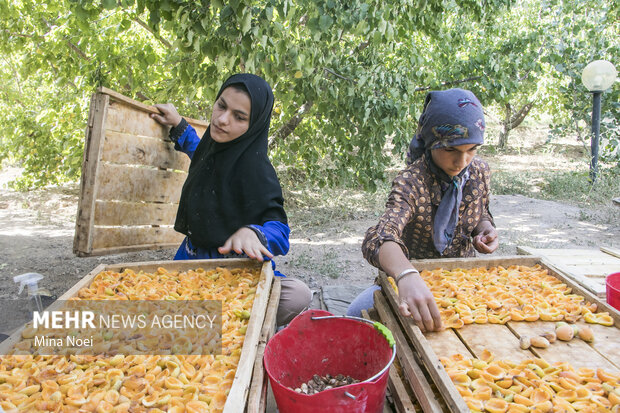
461	161
224	117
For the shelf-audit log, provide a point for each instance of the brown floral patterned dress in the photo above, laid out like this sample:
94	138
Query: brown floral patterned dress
411	206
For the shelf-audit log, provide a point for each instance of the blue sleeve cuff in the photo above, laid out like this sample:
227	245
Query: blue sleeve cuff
259	234
188	141
275	235
176	131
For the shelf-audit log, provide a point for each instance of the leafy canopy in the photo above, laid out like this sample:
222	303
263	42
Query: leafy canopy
349	77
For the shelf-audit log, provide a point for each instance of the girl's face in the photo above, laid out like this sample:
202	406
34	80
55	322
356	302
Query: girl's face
452	160
231	115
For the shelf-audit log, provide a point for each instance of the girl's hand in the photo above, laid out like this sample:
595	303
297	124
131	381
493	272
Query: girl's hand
169	115
485	240
245	241
417	301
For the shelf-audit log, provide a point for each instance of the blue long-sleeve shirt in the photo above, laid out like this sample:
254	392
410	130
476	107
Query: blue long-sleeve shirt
272	234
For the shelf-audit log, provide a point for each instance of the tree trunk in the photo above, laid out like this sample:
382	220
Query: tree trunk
503	135
511	121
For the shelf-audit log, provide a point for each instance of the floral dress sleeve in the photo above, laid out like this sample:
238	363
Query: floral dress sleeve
486	179
398	212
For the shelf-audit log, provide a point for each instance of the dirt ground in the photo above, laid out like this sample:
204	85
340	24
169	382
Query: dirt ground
37	228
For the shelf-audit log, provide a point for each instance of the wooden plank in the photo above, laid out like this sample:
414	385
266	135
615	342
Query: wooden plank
593	286
130	248
136	121
558	252
145	108
119	213
402	402
466	263
436	370
595	258
123	183
258	390
606	342
586	284
114	237
446	343
399	395
237	397
599	271
611	251
577	352
184	265
131	121
408	361
496	338
121	148
82	242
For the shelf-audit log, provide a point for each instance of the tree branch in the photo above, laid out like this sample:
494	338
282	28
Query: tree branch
71	45
289	127
78	51
521	114
338	75
156	35
29	36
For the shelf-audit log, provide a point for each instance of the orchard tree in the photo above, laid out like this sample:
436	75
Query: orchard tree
52	60
500	60
586	31
341	71
529	59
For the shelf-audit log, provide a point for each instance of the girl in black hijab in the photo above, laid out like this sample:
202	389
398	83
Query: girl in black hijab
231	204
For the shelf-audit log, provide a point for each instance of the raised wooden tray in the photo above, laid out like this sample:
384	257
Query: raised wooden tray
501	340
250	371
587	267
131	179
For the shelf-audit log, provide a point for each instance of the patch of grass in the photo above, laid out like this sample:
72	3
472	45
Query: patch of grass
325	264
511	183
566	186
309	206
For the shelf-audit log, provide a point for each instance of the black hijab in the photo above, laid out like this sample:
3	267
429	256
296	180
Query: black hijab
232	184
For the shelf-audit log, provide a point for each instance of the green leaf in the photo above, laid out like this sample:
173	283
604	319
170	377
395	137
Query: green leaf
108	4
325	22
246	22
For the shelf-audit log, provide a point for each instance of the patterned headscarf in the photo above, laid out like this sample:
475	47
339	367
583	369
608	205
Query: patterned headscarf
450	118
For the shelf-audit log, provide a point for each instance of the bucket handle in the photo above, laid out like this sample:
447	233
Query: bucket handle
382	329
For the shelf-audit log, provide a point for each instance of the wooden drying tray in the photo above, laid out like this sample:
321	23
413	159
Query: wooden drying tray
587	267
131	179
250	373
501	340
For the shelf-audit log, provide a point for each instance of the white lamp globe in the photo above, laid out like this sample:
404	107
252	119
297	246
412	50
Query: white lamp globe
599	75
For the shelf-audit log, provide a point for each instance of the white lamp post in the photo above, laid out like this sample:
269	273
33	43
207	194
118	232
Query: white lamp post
597	77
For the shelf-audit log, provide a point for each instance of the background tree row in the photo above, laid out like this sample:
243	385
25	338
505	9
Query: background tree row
349	77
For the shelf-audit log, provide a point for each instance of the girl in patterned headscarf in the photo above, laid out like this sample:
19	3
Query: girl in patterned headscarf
438	206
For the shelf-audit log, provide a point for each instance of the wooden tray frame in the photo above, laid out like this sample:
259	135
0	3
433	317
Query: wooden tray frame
250	370
131	179
423	345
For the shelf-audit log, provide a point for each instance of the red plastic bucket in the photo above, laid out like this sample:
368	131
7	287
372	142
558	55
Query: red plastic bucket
613	290
328	346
